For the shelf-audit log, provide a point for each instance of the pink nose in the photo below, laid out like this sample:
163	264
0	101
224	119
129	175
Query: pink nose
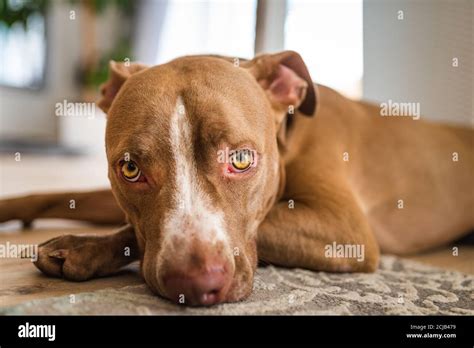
203	288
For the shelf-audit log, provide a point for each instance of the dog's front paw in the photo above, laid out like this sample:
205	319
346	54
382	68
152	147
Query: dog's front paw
76	258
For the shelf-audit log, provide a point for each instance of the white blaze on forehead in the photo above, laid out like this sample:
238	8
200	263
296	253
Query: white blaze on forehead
191	209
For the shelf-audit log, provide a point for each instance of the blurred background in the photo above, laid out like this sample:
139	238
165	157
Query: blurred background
56	50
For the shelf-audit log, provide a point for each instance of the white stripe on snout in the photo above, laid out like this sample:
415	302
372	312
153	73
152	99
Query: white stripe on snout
192	209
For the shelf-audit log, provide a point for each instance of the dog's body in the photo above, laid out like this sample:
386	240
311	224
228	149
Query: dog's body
400	171
338	174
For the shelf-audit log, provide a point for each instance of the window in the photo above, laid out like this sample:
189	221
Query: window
328	34
22	45
202	27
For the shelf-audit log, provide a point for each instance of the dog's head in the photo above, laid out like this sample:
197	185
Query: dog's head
194	163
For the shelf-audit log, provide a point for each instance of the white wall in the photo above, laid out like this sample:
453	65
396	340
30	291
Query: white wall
88	133
410	60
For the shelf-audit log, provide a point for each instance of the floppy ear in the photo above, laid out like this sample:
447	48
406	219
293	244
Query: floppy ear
118	74
286	81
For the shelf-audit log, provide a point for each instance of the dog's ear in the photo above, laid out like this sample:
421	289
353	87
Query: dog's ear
286	81
118	74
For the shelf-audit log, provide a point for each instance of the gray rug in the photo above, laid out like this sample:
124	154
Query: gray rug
399	287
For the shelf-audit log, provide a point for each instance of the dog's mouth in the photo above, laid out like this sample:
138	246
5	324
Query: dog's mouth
213	282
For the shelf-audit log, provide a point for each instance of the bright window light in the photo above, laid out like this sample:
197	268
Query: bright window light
328	34
201	27
22	53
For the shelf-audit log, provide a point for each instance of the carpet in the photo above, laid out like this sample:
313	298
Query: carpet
399	287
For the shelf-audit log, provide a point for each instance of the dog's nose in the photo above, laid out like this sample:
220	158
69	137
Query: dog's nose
202	288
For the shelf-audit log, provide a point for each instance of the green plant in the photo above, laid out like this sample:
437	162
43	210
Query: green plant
93	73
18	11
99	6
12	12
98	74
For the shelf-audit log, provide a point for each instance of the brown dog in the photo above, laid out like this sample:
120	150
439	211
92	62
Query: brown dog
210	160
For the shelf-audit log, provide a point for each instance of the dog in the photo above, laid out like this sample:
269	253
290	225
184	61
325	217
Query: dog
216	163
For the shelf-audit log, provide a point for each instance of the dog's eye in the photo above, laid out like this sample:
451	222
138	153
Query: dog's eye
130	171
241	160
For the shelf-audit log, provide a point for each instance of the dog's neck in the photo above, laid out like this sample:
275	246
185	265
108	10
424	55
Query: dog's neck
283	132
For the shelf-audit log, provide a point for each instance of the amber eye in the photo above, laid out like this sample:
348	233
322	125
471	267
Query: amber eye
241	160
130	171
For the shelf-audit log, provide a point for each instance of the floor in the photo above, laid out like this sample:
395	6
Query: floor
20	281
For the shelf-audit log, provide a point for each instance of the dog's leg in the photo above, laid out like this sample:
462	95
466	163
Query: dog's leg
97	207
80	258
330	234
